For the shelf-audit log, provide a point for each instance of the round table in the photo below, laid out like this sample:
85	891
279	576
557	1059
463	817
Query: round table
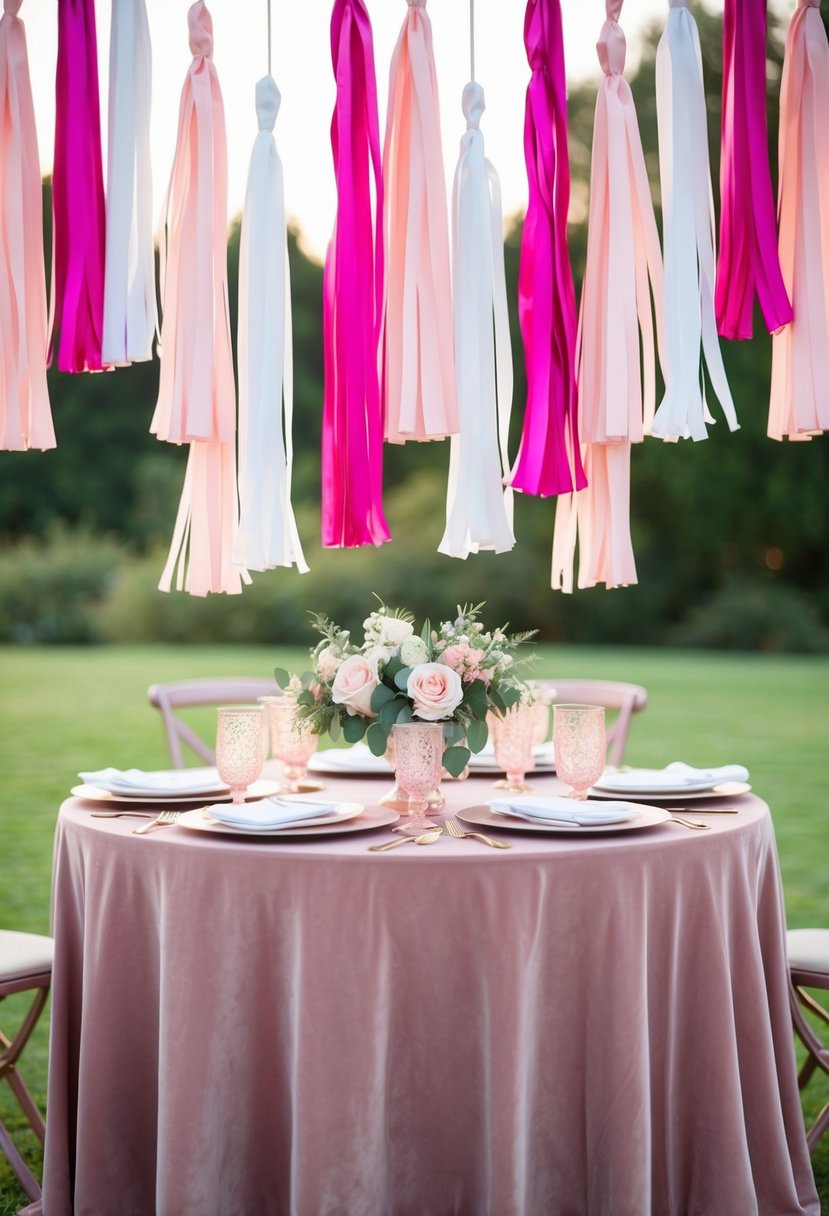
579	1026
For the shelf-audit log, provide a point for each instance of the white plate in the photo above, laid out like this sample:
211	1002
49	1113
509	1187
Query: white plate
357	819
728	789
484	816
170	783
92	793
343	762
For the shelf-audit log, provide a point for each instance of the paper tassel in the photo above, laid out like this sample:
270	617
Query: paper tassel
800	353
352	423
129	284
548	461
203	537
267	534
25	414
617	372
688	223
78	192
196	392
419	386
479	510
748	261
197	395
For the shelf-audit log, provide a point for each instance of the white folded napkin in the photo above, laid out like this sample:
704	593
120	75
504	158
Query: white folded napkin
357	757
268	814
677	776
136	781
565	810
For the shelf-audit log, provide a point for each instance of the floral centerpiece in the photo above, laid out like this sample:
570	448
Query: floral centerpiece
455	674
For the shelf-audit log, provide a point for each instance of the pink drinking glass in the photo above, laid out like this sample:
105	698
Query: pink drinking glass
418	748
240	747
293	743
580	745
513	736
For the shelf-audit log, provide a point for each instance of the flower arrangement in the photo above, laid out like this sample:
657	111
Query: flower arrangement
455	674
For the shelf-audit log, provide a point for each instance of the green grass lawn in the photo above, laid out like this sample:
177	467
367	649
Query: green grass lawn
67	709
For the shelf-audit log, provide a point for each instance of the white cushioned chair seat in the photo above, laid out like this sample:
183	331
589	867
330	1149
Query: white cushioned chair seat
24	954
808	950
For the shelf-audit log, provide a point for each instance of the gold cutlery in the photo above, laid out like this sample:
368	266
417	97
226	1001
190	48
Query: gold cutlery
686	823
161	821
425	838
453	829
120	814
705	810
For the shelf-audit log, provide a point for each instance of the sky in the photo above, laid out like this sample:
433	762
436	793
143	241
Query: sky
301	66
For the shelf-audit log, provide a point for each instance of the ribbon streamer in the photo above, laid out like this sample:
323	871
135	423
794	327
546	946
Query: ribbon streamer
78	192
197	395
688	224
479	509
267	535
25	413
549	460
748	261
419	383
352	423
129	285
617	373
800	353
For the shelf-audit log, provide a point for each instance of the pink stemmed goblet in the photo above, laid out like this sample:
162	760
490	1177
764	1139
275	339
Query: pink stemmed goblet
418	748
293	743
240	747
580	745
513	736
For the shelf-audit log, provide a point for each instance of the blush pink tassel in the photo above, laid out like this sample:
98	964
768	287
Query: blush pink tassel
25	414
616	359
800	352
419	386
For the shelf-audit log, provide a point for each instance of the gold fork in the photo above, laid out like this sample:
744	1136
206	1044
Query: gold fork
163	820
454	829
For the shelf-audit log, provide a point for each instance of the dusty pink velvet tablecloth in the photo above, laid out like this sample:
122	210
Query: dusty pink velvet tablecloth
593	1026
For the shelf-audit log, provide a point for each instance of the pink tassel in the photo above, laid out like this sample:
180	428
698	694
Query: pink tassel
419	387
197	393
617	373
800	352
25	414
748	261
549	460
352	422
78	192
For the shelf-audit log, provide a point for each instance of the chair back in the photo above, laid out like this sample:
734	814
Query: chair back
184	694
625	699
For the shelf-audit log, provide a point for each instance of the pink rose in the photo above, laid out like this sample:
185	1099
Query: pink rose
465	660
327	663
355	681
435	689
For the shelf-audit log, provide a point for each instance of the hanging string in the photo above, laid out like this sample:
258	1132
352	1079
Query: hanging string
471	39
270	73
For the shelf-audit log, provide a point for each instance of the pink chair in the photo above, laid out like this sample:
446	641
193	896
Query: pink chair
184	694
808	953
25	966
625	699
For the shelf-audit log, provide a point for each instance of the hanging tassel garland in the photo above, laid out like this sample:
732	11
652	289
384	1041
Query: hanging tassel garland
688	221
419	384
267	535
479	510
748	261
352	422
800	353
129	284
25	413
616	367
549	460
197	394
78	192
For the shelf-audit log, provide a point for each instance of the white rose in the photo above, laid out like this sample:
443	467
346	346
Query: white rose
393	632
355	681
328	660
413	651
380	654
436	691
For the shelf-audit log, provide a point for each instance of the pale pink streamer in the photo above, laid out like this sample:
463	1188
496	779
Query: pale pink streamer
800	353
419	383
25	414
197	394
617	372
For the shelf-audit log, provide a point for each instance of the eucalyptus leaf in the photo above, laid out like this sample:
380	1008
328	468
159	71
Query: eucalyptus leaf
377	739
354	728
475	696
390	713
455	760
477	734
511	696
281	676
453	732
497	700
381	695
394	665
334	729
305	698
406	714
401	679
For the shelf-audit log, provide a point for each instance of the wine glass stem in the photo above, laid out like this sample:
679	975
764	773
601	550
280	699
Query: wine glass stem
237	794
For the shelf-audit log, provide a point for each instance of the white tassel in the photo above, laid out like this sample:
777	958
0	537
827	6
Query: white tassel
129	284
267	535
688	218
479	509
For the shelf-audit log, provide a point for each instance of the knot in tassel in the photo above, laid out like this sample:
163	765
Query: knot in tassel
11	7
473	105
268	99
612	47
416	3
200	28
